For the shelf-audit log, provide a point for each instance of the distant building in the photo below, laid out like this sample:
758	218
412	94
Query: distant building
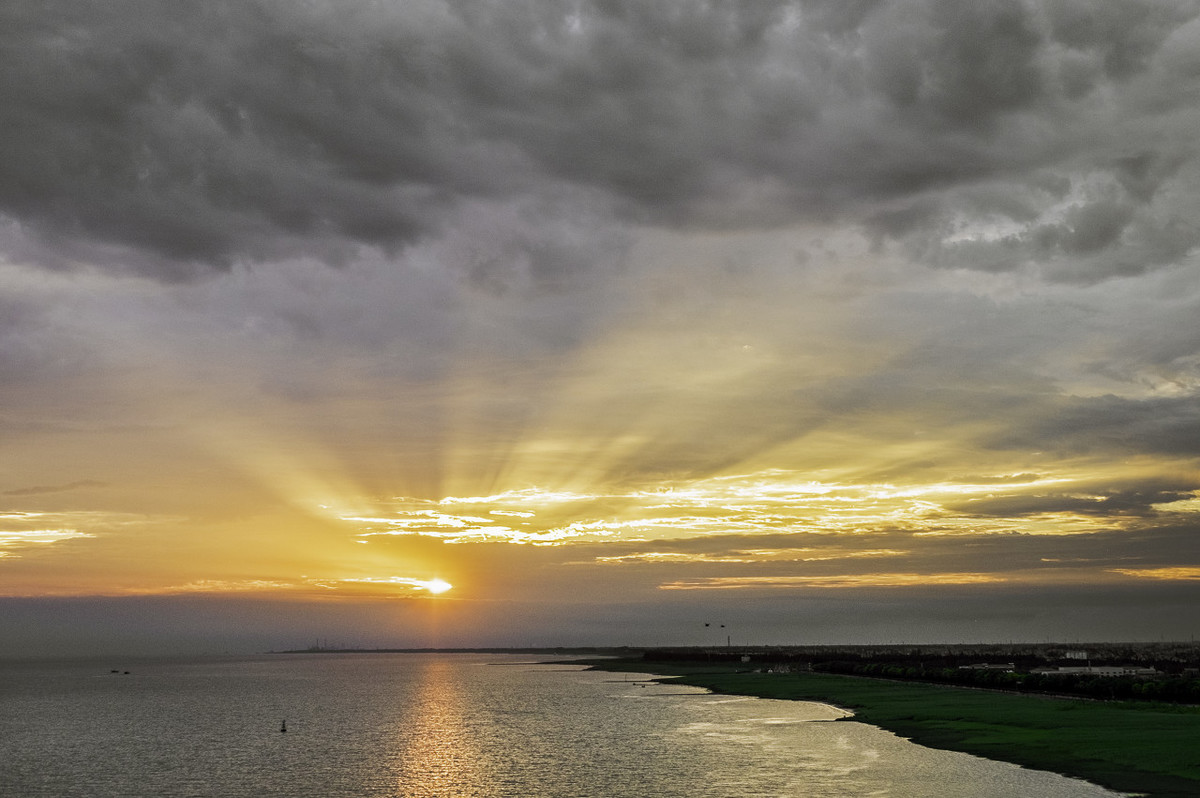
1007	667
1076	655
1099	670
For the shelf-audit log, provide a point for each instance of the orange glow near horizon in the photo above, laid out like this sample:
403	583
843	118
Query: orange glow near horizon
646	449
851	528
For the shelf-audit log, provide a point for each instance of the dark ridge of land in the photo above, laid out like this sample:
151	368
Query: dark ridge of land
1172	656
1135	747
1161	672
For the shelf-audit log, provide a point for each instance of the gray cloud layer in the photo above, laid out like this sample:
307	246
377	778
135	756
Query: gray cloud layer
169	138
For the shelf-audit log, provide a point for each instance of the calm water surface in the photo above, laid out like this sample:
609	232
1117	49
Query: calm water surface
457	725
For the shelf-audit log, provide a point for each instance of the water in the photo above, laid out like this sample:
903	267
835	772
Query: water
367	725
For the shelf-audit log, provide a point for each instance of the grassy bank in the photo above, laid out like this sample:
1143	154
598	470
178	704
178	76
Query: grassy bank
1151	749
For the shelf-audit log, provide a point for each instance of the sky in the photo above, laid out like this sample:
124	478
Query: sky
826	321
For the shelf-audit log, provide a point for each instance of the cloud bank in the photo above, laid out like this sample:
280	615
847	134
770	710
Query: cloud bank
173	138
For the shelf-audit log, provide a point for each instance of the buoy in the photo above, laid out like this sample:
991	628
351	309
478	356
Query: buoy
283	726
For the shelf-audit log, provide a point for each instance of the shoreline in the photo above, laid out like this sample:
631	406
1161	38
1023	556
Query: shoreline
1140	749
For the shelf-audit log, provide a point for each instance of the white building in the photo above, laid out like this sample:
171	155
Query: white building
1099	670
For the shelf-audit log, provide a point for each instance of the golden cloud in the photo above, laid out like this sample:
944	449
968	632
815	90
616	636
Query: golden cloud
839	581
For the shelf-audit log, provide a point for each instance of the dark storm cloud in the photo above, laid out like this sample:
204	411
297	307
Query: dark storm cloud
1111	424
198	132
1100	500
172	137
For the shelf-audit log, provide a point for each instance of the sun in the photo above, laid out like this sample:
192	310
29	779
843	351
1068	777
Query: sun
437	586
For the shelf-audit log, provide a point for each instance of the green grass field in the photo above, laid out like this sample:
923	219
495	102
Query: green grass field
1149	749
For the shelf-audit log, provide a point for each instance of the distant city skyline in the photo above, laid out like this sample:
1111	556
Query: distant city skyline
535	324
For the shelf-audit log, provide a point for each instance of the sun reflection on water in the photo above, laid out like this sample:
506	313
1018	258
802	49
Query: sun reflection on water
437	753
